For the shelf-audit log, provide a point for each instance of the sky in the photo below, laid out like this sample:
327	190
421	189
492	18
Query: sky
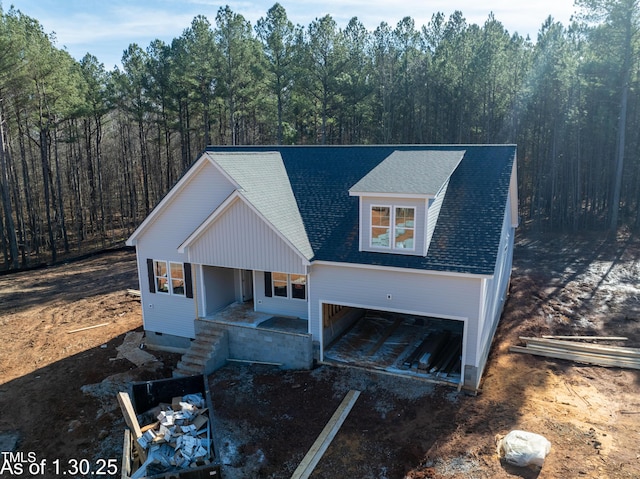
105	28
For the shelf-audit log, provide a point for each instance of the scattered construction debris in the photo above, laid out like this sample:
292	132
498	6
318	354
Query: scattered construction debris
131	350
87	327
176	436
317	450
597	354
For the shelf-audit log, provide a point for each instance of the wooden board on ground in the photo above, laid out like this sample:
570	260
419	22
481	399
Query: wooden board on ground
309	462
131	421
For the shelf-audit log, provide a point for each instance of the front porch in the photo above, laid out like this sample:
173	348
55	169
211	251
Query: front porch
244	314
260	337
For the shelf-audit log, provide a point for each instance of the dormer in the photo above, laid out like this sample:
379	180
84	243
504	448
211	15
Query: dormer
400	200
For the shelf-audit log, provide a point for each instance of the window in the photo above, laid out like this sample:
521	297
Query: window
283	285
168	278
393	227
298	286
161	277
177	279
279	284
404	228
380	222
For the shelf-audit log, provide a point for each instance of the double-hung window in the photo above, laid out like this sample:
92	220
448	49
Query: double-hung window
380	226
169	277
404	228
298	286
280	285
283	285
393	227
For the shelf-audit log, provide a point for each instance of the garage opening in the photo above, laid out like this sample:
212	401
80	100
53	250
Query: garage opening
395	342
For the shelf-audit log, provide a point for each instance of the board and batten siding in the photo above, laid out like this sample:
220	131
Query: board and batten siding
418	293
420	206
186	209
241	239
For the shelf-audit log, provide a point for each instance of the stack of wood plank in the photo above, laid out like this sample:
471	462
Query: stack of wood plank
438	353
582	352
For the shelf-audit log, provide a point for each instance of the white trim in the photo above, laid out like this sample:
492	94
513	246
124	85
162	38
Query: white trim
392	195
425	246
289	295
413	228
371	226
393	310
481	319
391	248
203	291
400	269
226	204
309	311
361	226
321	331
513	192
168	278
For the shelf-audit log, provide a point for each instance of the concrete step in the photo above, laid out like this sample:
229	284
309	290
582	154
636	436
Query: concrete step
208	350
183	370
201	348
195	357
192	363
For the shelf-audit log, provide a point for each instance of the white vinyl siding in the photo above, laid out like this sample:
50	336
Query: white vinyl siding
185	211
241	239
437	295
277	305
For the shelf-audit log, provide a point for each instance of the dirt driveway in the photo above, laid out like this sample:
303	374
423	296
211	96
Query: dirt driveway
57	384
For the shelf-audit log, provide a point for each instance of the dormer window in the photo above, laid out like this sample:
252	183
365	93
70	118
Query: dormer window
393	227
400	200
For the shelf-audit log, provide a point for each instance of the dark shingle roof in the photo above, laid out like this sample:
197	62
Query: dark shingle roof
466	237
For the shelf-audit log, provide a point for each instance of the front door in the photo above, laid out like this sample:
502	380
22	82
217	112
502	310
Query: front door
247	285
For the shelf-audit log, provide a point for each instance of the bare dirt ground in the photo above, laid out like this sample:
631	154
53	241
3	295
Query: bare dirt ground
57	387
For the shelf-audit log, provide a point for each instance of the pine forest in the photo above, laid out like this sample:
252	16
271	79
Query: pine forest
86	152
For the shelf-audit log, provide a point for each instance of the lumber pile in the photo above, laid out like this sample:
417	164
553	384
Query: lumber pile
439	353
176	437
596	354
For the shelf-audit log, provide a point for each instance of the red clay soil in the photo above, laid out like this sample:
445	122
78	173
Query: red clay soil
57	387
